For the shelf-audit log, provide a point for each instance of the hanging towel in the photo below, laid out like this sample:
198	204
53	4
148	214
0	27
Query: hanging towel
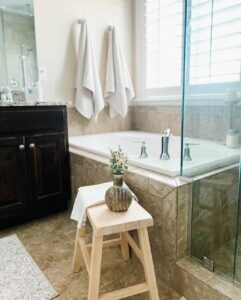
118	85
90	196
89	98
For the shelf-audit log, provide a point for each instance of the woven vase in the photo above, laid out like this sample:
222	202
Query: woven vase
118	197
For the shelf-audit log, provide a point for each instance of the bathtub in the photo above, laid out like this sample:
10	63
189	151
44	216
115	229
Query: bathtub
206	156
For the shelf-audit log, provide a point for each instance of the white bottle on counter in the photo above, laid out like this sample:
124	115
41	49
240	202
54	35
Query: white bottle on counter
232	138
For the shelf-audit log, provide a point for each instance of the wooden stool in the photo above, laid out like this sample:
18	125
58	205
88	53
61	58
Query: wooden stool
105	222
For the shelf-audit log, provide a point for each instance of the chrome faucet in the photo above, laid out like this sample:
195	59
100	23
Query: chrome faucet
187	151
165	143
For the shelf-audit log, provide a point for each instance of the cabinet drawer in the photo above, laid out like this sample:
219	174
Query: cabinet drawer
28	119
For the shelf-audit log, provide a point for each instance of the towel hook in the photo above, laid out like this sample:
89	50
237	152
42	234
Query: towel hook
109	28
80	21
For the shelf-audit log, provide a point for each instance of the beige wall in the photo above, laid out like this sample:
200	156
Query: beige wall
57	36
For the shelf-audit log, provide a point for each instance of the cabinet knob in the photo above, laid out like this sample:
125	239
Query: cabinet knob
21	147
32	146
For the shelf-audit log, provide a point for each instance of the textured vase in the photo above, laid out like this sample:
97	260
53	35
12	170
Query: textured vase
118	197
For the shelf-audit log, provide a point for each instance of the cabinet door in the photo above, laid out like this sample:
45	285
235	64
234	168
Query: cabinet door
47	159
12	176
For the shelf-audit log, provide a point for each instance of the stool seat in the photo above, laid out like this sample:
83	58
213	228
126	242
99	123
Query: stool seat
104	221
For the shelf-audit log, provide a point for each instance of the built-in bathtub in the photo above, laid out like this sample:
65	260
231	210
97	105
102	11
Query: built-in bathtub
205	155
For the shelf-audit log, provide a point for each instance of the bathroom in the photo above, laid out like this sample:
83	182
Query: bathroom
179	122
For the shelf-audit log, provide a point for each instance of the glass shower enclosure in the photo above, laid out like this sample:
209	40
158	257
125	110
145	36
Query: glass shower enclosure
211	132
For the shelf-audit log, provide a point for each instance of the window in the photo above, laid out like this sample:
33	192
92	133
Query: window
213	46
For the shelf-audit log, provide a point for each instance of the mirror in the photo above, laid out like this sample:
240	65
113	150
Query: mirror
18	59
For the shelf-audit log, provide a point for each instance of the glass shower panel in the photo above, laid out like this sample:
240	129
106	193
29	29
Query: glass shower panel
237	274
211	131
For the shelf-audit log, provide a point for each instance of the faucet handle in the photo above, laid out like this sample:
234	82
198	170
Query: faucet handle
167	132
143	149
187	153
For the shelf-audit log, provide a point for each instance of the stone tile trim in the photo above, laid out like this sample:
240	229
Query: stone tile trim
210	285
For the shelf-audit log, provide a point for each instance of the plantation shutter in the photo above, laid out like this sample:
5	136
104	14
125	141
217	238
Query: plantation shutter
215	41
163	43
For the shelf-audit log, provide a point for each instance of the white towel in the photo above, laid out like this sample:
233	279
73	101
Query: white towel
89	196
89	97
118	85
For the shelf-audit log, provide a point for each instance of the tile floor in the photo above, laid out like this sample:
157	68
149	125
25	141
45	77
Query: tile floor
50	241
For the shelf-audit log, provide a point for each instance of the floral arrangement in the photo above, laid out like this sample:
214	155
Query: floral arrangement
118	162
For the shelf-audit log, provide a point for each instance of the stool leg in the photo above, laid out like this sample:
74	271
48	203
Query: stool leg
95	266
124	247
148	263
77	252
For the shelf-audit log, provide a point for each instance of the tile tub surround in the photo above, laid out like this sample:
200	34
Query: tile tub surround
209	122
165	198
77	124
52	248
156	118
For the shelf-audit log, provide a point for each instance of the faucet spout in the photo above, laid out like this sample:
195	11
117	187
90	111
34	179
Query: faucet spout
165	144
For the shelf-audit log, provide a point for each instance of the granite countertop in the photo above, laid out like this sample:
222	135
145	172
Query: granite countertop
32	103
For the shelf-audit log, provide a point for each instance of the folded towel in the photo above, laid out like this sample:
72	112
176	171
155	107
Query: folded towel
118	85
89	196
89	97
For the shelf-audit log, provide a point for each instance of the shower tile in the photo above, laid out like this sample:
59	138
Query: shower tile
79	125
159	189
195	269
183	203
225	288
192	288
137	181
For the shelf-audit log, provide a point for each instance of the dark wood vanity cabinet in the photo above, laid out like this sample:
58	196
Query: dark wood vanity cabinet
34	162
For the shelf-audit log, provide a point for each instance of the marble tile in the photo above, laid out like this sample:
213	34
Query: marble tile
184	195
156	118
195	269
192	288
225	288
214	214
77	124
159	189
136	181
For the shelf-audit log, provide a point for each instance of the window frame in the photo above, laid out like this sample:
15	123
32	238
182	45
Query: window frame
171	95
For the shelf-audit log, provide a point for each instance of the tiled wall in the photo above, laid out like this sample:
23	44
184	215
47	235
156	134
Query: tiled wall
77	124
156	118
210	122
205	122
